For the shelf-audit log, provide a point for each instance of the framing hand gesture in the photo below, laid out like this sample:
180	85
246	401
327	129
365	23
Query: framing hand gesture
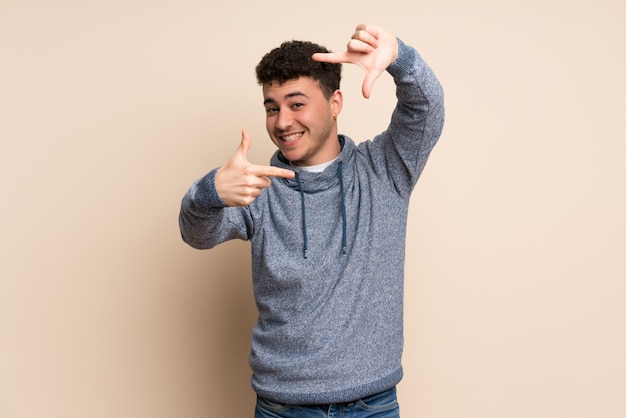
371	48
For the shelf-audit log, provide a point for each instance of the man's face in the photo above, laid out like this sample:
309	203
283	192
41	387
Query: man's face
301	121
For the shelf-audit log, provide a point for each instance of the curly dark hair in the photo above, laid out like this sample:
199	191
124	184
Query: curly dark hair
293	60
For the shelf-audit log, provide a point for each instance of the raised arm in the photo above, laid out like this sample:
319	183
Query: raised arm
417	120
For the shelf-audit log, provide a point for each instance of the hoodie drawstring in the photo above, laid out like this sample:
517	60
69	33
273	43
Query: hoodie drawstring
344	239
344	233
305	245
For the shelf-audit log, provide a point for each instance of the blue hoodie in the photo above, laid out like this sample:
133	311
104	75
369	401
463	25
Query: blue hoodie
328	253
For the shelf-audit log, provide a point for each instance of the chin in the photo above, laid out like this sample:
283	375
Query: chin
293	159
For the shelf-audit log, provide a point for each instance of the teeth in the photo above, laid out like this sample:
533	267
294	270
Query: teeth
290	138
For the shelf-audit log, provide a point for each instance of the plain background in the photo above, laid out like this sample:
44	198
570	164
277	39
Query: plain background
516	253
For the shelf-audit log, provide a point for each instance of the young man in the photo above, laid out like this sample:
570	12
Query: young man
327	225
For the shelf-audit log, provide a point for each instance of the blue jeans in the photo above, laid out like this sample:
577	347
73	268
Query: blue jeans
381	405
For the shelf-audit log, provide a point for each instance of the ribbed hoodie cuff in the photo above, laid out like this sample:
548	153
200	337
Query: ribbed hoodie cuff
405	62
204	193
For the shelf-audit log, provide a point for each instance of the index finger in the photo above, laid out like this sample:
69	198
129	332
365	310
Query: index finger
331	57
270	171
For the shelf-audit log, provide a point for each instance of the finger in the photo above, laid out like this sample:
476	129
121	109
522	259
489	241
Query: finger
366	89
256	183
361	47
331	57
270	171
371	30
362	41
244	147
368	83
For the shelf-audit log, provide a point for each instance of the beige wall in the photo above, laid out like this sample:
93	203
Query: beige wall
517	236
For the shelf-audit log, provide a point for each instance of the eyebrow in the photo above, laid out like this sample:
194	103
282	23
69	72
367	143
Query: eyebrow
287	96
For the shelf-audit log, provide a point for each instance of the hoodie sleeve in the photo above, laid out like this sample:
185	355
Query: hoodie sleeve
416	122
205	221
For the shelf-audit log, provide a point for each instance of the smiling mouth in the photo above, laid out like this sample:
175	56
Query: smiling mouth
291	137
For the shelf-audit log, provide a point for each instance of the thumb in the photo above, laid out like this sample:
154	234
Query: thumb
368	83
244	147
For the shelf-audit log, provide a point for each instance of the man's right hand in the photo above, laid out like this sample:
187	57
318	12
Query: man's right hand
239	182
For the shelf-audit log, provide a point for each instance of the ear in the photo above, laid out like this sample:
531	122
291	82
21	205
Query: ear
336	103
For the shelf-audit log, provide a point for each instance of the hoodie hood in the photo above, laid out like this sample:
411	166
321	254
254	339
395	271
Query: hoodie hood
307	182
314	182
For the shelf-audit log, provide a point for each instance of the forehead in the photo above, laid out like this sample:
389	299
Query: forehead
302	86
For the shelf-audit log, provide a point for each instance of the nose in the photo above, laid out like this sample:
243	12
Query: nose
284	120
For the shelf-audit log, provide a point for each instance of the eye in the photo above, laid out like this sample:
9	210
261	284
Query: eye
297	105
271	110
